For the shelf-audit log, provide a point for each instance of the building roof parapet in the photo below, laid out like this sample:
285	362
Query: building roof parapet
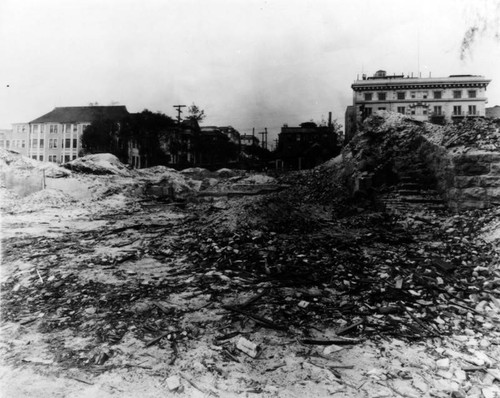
419	83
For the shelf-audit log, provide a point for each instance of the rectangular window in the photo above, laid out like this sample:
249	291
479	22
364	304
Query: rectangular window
67	127
75	142
367	112
438	110
33	157
401	95
41	143
67	158
457	110
7	143
413	111
34	143
472	110
413	95
457	94
401	109
381	96
41	158
2	143
75	128
35	128
67	142
23	143
424	111
53	128
52	142
368	96
472	93
381	109
424	94
437	94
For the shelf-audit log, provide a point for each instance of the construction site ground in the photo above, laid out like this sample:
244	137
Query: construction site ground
278	294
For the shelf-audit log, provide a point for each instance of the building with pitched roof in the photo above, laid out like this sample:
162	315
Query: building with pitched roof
56	136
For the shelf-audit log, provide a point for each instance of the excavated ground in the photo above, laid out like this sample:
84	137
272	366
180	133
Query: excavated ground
290	294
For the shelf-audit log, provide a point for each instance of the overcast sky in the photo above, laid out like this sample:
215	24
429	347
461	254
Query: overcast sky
247	63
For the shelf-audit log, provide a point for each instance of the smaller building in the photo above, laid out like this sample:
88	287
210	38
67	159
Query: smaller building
248	140
306	146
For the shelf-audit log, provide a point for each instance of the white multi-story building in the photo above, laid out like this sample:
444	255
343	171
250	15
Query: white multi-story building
56	136
431	98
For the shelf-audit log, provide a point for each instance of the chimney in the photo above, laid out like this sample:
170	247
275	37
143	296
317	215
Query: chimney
330	119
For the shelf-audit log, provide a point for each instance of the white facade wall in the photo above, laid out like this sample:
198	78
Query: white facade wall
55	142
420	98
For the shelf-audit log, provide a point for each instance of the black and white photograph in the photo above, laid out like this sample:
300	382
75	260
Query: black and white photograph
249	198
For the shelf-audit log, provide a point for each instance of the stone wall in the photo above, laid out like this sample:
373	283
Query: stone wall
467	179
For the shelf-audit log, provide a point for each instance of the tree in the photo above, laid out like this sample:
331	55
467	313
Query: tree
100	136
149	130
195	113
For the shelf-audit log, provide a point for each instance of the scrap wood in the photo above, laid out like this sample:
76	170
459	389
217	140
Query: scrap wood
80	379
339	341
157	339
257	318
203	390
162	308
348	328
175	351
338	376
251	299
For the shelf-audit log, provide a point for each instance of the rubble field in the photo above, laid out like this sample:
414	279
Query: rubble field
243	285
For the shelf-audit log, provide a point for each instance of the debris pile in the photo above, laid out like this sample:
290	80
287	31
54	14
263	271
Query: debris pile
102	163
478	133
21	165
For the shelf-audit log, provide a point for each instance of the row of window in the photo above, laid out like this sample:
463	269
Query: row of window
437	110
54	143
35	143
402	95
55	128
53	158
12	143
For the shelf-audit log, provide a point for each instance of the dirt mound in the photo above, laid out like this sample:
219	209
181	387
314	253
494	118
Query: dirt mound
10	160
101	163
41	200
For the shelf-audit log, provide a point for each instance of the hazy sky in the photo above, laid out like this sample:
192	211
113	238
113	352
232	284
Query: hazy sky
247	63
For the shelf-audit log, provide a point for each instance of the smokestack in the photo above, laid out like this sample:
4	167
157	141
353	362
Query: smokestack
330	119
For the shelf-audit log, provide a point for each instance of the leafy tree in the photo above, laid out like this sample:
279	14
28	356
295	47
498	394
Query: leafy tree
150	131
195	113
100	136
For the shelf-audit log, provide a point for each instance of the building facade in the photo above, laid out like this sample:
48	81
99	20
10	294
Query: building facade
56	136
306	146
248	140
436	99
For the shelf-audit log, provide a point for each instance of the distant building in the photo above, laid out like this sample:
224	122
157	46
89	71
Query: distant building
56	136
435	99
7	142
248	140
231	133
306	146
493	112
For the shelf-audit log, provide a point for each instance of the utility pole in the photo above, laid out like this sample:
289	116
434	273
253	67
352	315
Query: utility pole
264	138
179	111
